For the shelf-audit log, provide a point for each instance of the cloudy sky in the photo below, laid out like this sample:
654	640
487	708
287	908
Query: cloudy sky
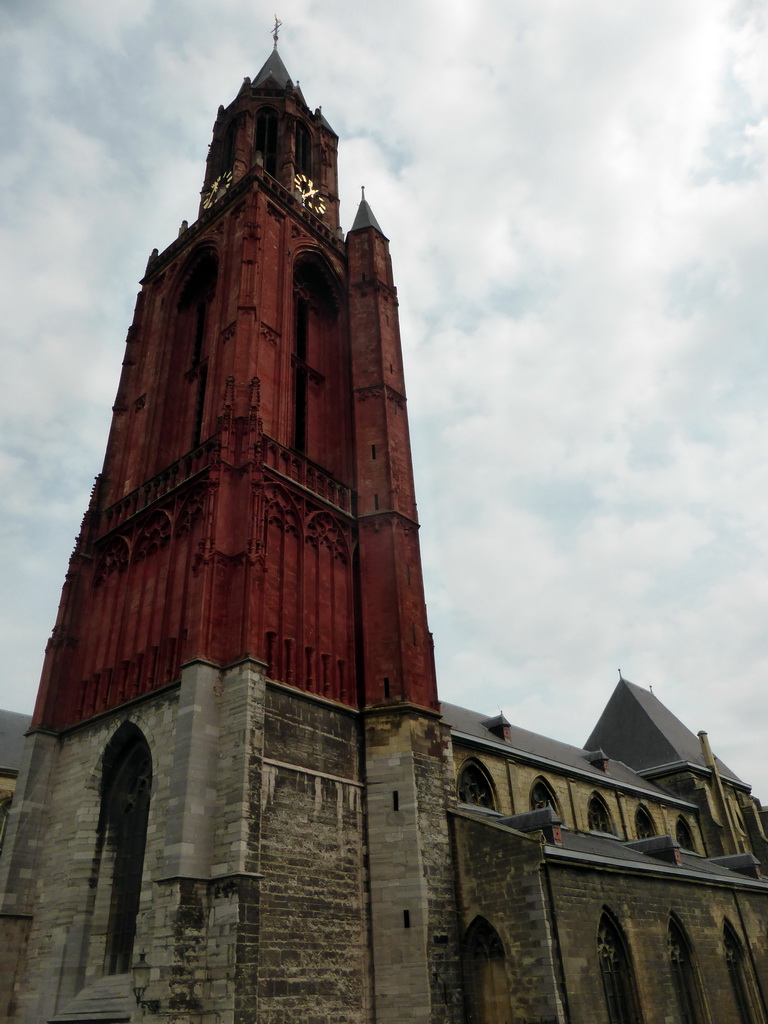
576	195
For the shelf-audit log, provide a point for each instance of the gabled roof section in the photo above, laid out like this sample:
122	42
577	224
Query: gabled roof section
13	725
547	753
365	218
275	70
636	727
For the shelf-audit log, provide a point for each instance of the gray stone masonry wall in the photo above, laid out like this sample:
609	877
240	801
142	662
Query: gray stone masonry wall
415	947
500	878
641	905
203	934
199	896
59	800
436	793
313	954
13	941
695	789
20	863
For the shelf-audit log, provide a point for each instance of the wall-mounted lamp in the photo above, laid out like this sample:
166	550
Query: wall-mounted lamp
140	977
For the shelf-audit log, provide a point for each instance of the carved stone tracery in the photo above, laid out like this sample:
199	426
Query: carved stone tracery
152	535
114	559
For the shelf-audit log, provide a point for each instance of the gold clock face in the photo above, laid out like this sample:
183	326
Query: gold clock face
310	196
217	189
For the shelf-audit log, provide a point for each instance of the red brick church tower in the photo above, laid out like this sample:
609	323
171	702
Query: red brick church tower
236	771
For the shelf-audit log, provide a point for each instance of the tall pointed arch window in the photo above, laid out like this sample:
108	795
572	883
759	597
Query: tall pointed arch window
616	973
5	810
542	796
644	827
229	151
684	978
599	817
734	959
125	811
485	965
683	834
319	365
183	425
474	786
193	308
266	139
303	151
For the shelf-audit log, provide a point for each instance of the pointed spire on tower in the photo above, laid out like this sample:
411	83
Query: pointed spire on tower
365	217
275	69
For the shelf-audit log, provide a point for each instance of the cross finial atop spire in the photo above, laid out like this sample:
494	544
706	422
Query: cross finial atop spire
276	30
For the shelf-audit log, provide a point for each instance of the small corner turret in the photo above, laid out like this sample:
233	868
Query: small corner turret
365	218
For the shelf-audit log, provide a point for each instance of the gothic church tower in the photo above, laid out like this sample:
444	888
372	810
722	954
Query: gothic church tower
236	771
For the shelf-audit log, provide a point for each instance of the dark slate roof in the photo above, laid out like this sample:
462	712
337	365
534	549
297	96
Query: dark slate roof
365	218
549	752
13	725
637	727
324	121
275	69
594	846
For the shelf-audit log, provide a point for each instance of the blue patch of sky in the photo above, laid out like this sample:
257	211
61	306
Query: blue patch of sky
565	504
720	559
397	156
727	158
512	301
691	289
649	446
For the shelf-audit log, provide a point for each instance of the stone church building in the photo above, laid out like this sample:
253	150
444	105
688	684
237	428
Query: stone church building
239	798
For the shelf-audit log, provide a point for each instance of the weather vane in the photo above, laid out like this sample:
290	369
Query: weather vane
276	29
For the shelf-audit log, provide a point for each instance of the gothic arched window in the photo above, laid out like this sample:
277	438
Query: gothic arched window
303	152
321	413
616	973
644	827
598	816
683	834
683	974
183	424
230	145
542	796
486	969
475	786
125	812
734	958
196	296
266	139
5	807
